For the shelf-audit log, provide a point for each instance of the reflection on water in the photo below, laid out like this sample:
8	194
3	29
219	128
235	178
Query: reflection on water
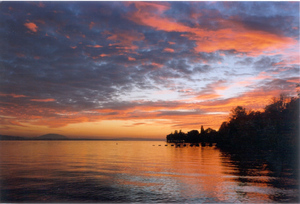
123	171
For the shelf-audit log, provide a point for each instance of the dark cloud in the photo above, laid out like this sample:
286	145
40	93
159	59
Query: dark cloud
180	65
212	57
202	68
245	62
274	24
282	85
264	63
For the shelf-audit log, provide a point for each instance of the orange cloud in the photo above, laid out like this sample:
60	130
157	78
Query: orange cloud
91	25
63	121
256	100
15	123
207	96
157	64
124	40
43	100
131	59
104	55
31	26
185	115
13	95
95	46
8	122
154	111
294	80
168	50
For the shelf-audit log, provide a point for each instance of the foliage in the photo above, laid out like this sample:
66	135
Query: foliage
275	128
193	136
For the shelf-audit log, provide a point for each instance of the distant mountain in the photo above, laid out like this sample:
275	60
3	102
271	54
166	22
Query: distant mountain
51	137
42	137
8	137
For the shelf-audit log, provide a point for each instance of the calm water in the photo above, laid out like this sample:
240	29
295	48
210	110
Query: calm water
126	171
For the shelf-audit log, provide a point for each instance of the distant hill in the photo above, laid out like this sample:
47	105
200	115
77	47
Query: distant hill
51	137
42	137
8	137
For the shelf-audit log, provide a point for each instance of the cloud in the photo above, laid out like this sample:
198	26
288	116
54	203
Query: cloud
245	62
131	59
231	35
294	80
202	68
72	62
31	26
168	50
43	100
13	95
124	40
180	113
264	63
8	122
94	46
209	91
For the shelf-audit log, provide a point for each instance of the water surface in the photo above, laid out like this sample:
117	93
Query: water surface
139	171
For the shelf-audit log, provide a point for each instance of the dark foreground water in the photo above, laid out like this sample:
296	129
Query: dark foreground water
126	171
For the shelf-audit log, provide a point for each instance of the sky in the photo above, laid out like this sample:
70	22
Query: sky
141	69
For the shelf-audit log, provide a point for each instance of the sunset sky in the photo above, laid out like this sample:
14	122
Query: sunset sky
141	69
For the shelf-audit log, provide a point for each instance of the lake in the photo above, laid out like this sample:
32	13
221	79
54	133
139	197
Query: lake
140	171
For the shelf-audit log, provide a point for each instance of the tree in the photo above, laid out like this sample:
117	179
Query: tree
238	112
202	129
193	136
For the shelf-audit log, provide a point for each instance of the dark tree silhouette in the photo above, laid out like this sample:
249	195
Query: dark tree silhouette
277	128
193	136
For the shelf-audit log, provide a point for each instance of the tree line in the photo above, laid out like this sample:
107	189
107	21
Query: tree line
194	136
277	127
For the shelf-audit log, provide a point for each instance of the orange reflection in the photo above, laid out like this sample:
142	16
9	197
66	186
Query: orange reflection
188	173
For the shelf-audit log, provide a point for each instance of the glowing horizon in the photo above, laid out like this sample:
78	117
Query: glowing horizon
141	69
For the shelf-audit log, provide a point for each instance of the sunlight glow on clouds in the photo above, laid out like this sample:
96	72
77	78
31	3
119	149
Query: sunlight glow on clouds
31	26
141	69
